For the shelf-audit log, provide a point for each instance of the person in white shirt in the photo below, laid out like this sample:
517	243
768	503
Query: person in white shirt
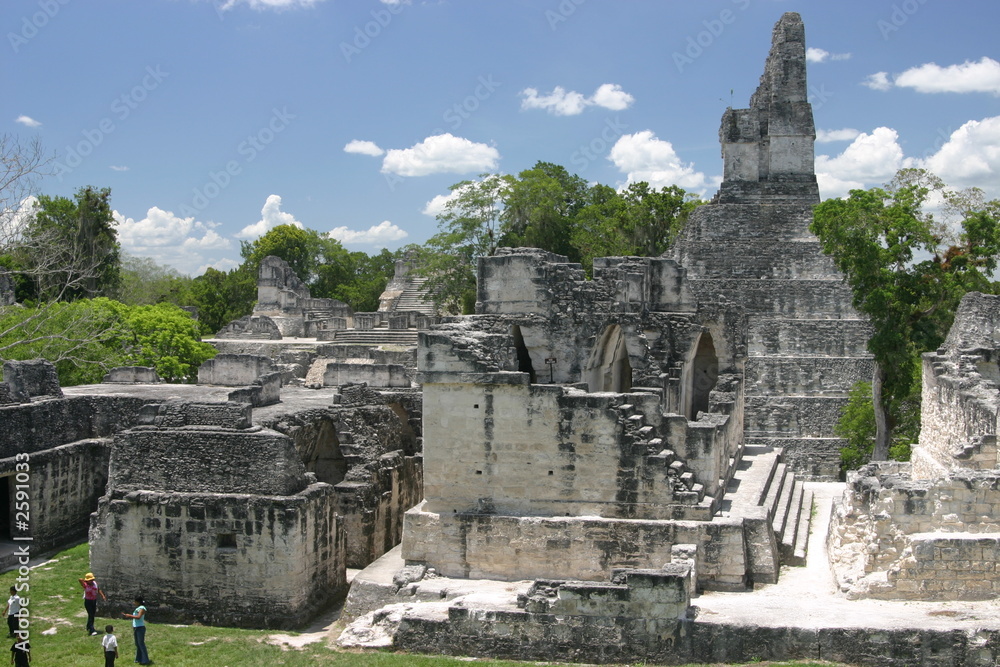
110	644
11	610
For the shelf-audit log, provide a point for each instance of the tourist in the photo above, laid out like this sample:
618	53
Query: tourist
20	654
110	644
11	610
90	593
139	630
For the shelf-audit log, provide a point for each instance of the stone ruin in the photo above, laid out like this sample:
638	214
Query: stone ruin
24	380
285	309
930	529
220	518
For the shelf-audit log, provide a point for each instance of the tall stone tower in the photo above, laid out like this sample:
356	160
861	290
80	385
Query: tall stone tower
780	306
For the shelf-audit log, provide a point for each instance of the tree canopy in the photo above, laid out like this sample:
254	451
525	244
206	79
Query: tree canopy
907	273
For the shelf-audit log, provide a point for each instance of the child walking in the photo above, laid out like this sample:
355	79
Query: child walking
110	644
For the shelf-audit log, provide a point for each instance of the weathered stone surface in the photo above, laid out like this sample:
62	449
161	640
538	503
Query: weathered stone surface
133	375
226	522
27	379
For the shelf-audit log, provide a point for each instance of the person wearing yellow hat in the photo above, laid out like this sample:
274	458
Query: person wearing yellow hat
90	592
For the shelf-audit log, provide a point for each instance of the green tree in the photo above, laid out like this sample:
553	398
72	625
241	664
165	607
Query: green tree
637	221
298	246
70	247
470	228
165	337
876	237
540	209
223	297
144	283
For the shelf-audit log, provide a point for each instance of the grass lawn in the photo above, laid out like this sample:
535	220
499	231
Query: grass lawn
58	638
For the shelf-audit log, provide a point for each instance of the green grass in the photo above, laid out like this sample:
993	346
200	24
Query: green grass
55	603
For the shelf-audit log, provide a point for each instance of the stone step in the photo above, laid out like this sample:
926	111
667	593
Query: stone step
787	537
752	478
784	505
801	545
775	488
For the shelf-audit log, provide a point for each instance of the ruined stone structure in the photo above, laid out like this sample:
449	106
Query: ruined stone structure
406	292
220	518
930	529
285	299
778	310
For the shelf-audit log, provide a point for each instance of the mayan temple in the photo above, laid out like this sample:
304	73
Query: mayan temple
784	310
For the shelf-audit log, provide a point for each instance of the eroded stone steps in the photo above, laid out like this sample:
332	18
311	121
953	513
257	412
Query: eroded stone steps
764	479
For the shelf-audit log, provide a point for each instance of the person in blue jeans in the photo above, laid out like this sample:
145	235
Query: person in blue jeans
139	630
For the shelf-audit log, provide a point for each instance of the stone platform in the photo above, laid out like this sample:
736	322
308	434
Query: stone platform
803	616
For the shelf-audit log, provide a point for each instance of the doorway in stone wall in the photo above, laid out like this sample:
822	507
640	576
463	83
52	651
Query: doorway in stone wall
523	357
704	375
608	368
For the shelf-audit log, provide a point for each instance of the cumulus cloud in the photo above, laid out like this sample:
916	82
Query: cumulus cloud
562	102
182	243
27	121
644	157
815	55
970	156
271	216
826	136
437	205
871	159
439	154
380	234
14	220
969	77
878	81
363	148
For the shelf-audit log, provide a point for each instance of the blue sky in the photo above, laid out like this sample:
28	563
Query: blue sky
215	120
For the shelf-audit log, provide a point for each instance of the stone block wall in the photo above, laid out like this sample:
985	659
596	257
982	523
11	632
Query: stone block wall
236	560
132	375
25	379
374	375
234	370
484	546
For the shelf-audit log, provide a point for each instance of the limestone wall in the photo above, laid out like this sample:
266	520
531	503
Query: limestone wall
469	545
374	375
236	560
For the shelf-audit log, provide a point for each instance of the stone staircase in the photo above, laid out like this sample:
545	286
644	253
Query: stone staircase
377	336
646	443
415	297
763	478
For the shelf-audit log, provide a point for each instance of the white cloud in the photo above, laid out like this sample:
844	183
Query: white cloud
383	232
27	121
878	81
266	4
969	77
363	148
438	154
271	216
437	205
815	55
871	159
14	220
826	136
562	102
644	157
172	240
118	168
970	157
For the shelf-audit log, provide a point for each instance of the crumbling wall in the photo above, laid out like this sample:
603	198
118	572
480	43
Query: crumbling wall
226	522
23	380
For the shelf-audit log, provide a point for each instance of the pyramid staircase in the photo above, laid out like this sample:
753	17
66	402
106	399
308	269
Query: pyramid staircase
762	478
415	297
380	335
